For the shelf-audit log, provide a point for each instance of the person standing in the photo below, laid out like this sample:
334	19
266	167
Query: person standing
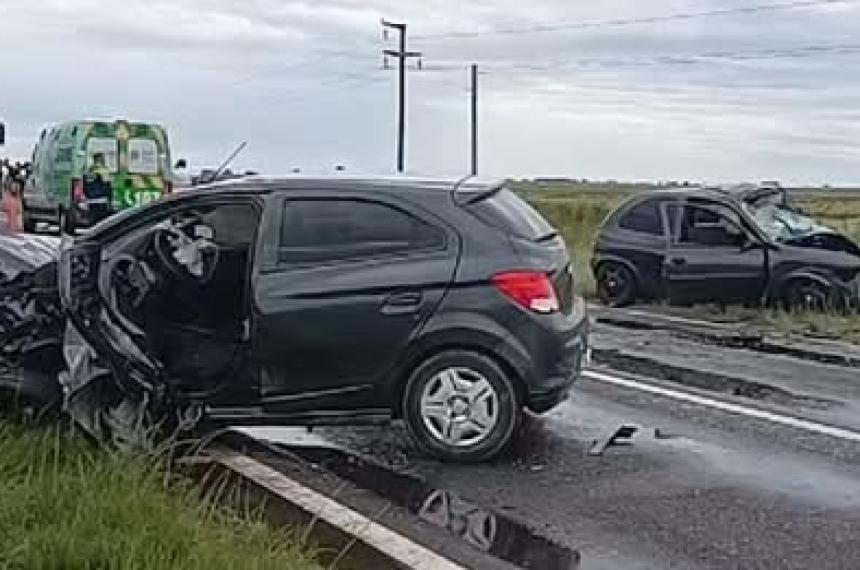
98	188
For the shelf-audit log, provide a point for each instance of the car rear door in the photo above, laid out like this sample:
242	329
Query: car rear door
350	281
714	256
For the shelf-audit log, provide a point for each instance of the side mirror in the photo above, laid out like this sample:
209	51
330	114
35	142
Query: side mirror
181	164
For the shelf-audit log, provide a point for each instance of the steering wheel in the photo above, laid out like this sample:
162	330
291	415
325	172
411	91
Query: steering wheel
186	259
131	280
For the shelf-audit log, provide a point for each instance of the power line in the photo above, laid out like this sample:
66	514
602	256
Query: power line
799	52
619	22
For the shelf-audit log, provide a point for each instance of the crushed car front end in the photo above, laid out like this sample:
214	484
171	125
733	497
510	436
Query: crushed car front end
110	384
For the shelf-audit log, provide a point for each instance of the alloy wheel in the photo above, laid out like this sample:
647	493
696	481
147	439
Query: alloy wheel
459	407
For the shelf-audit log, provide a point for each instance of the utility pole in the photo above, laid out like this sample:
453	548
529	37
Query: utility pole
402	55
474	119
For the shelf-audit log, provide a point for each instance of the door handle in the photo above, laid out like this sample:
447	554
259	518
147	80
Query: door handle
679	261
402	302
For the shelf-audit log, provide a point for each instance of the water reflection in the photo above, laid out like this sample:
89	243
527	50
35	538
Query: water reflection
483	529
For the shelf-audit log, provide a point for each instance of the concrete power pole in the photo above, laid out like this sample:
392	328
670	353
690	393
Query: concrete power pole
402	55
474	115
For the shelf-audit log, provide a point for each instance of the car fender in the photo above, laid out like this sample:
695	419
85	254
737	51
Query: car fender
778	287
458	330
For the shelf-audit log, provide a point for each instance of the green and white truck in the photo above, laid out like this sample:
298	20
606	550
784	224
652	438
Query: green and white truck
62	189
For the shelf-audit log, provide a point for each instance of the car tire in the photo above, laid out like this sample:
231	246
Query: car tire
616	284
807	295
28	223
66	221
461	406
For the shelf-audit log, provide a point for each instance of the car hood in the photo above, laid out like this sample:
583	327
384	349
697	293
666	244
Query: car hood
24	253
822	237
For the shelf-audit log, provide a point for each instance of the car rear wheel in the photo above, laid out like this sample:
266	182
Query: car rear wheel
806	295
616	285
461	406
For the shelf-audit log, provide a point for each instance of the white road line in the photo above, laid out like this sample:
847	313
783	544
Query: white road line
798	423
381	538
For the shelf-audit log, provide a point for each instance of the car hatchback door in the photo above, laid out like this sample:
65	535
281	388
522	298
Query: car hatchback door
713	257
353	280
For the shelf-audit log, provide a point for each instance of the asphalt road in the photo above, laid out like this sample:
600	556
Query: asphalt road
714	489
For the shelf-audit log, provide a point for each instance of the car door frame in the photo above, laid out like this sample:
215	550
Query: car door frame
118	323
756	241
270	263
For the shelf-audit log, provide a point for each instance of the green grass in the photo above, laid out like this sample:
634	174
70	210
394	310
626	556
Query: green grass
818	325
827	325
839	211
578	219
64	504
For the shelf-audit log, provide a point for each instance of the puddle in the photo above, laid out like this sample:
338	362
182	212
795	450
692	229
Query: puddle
483	529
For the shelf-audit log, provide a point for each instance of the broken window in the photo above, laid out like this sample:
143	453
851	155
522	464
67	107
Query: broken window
713	225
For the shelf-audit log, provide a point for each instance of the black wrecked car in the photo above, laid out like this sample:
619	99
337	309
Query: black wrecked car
743	244
306	301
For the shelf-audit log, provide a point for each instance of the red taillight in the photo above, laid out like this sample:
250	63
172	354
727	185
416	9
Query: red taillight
530	289
78	195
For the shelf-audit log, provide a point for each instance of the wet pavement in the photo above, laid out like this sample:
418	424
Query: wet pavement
825	392
690	487
485	530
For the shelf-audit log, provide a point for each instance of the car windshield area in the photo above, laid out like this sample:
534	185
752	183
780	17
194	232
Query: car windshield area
781	222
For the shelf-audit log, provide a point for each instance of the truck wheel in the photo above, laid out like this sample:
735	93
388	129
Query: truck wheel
28	222
461	406
66	222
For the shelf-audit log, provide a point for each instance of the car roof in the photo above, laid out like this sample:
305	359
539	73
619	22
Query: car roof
257	184
260	183
681	193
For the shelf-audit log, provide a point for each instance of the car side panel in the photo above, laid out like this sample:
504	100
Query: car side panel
644	253
327	335
834	269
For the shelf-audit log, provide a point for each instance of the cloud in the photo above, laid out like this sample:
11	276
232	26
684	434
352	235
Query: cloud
301	81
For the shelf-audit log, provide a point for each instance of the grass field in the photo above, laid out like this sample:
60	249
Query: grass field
579	209
64	504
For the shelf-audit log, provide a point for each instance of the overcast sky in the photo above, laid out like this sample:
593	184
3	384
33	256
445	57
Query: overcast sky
698	98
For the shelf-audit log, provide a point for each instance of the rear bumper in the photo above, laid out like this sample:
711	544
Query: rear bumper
555	387
555	349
